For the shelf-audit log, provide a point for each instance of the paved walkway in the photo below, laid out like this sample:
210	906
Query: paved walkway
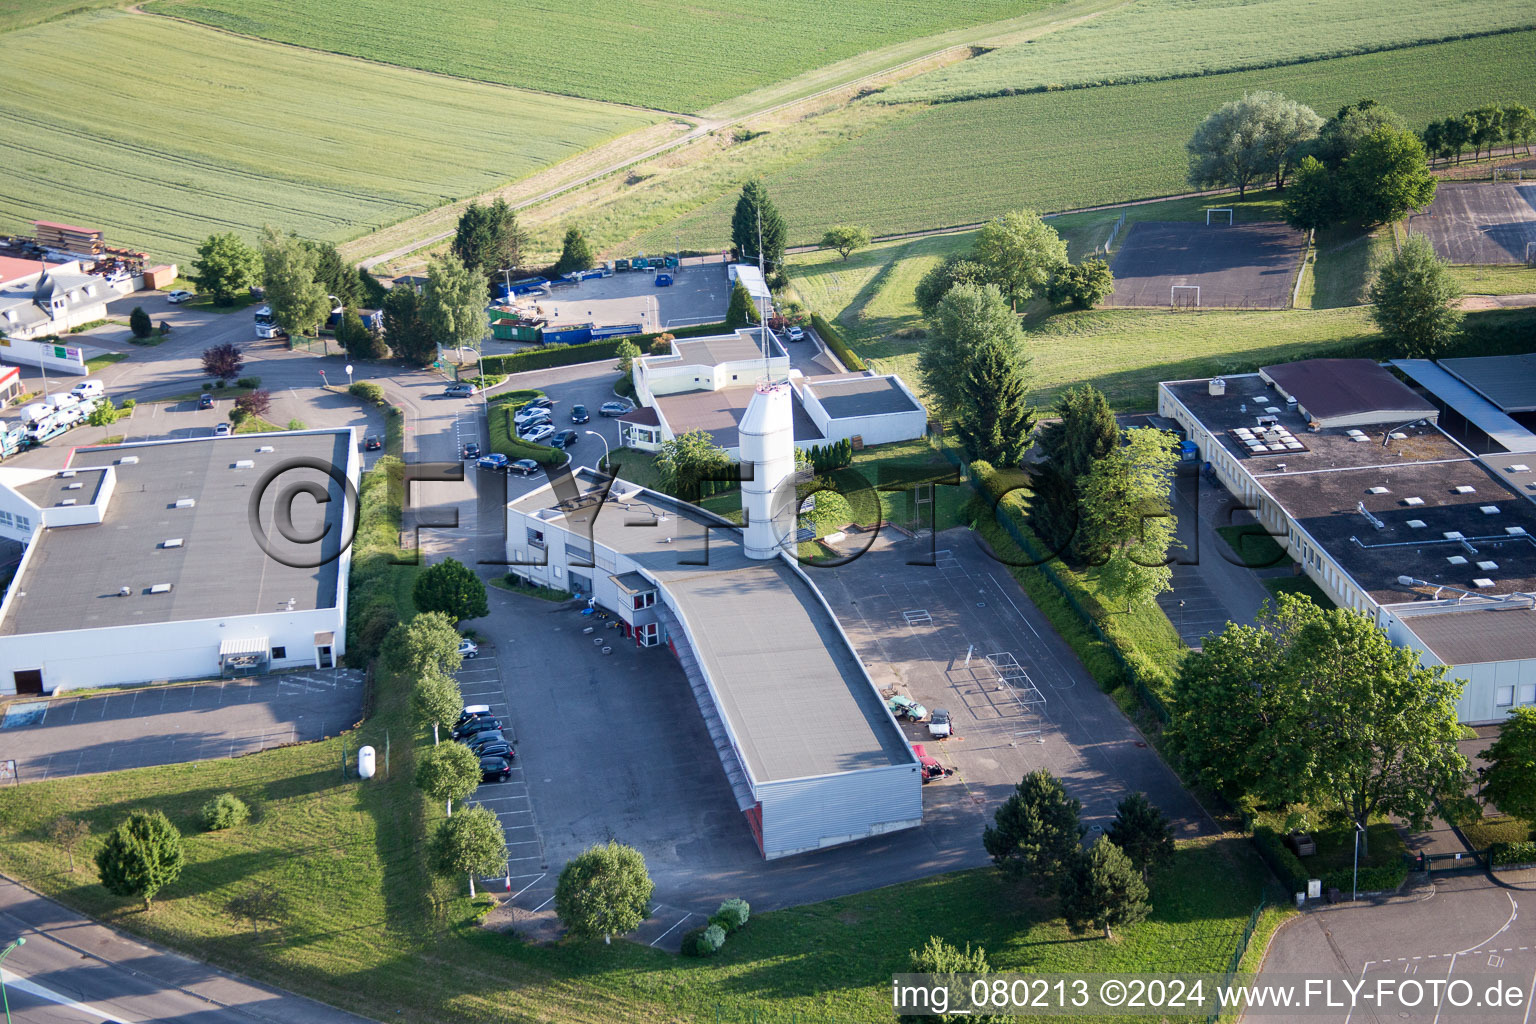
1209	587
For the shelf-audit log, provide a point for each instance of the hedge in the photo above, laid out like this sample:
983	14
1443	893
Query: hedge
1285	864
835	342
504	439
1377	879
591	352
1512	853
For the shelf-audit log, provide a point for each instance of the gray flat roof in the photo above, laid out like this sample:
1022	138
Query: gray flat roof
1509	382
1471	636
863	396
723	348
815	712
1335	388
52	490
720	412
74	573
1477	409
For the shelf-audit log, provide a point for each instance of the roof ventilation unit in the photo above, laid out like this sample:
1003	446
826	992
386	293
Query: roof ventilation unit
68	501
1489	510
1413	501
66	473
1482	583
1416	524
1360	507
245	464
1457	560
174	542
1375	490
1515	531
186	502
1453	535
1487	566
1464	489
128	460
1216	386
124	591
73	487
266	448
1398	435
160	588
1518	467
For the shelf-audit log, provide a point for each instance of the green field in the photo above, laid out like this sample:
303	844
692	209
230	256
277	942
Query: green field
203	132
19	13
1496	279
1155	39
654	53
959	163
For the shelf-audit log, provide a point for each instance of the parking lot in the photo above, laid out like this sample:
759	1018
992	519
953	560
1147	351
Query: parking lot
699	294
172	724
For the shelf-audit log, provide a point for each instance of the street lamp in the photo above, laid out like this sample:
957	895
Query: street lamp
3	995
1354	895
349	375
603	439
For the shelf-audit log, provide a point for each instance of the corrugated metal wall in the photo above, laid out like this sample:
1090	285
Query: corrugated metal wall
807	814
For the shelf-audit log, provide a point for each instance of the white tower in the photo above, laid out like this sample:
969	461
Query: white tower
767	436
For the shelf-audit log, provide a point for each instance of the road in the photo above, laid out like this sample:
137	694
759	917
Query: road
72	970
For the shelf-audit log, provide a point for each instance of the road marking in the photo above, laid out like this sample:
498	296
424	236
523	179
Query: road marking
669	931
541	906
34	989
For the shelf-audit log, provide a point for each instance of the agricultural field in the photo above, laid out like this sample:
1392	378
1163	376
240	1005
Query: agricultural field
960	163
1157	39
210	132
658	54
19	13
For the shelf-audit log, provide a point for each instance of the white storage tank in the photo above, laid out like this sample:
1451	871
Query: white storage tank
366	763
767	440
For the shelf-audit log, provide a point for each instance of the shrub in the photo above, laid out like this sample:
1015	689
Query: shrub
1285	864
368	391
834	341
224	811
296	425
128	403
709	941
732	915
1512	853
1377	879
248	382
691	943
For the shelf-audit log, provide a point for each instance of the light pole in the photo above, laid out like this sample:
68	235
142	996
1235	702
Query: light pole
3	995
506	274
603	439
1355	894
349	375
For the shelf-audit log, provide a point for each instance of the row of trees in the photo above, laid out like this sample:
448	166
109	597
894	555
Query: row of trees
1482	129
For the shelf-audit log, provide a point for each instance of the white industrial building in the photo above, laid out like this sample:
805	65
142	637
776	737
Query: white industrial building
708	384
179	559
751	631
38	298
1350	471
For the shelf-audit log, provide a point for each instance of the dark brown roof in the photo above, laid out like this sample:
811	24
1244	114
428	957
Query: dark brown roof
644	415
1330	388
1470	637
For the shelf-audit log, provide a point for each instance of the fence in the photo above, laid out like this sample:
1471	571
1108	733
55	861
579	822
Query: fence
1239	952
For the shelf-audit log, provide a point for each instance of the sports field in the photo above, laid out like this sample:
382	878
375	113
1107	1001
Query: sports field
1187	263
655	54
959	163
197	131
1156	39
1481	224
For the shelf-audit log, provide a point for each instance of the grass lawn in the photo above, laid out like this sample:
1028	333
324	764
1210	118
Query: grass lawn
1301	586
261	134
257	425
1484	832
516	585
1345	261
1254	546
231	392
1383	846
1495	279
105	359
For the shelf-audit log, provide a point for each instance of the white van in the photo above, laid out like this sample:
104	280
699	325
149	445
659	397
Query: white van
88	389
62	400
35	413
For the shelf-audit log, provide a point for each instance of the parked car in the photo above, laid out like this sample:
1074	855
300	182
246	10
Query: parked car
537	433
468	648
371	443
87	389
495	460
495	769
564	439
1301	844
478	725
795	333
472	712
939	725
613	409
463	389
906	707
527	467
537	414
502	750
205	401
222	430
471	450
579	414
931	768
178	296
542	402
486	739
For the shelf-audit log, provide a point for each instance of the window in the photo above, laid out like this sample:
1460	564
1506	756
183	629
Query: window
1528	693
535	537
23	523
5	518
1504	696
645	600
279	653
559	572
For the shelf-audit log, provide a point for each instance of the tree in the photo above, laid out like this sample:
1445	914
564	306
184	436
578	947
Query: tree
936	283
334	274
1229	148
473	843
448	772
67	833
1102	889
453	588
966	320
427	644
406	332
1020	252
1083	284
141	856
575	253
627	353
1143	833
756	218
1333	712
605	891
949	965
1342	133
1415	301
261	902
1387	176
1487	128
225	267
437	699
1083	432
995	419
370	291
453	304
224	811
140	323
104	414
1519	125
845	238
300	303
741	312
1456	132
1312	201
1509	781
254	404
488	239
687	462
1285	128
1035	833
360	340
1434	139
223	362
1126	519
1223	706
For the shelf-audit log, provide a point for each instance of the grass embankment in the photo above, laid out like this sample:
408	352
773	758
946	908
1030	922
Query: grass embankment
238	103
1495	280
518	585
104	360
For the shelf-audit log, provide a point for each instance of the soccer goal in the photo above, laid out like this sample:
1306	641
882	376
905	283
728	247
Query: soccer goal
1530	253
1508	174
1190	291
1219	209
